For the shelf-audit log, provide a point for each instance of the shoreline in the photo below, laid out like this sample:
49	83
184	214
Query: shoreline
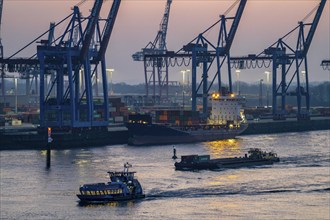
27	138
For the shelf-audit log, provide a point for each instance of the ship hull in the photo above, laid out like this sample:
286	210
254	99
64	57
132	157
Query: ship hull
160	134
224	164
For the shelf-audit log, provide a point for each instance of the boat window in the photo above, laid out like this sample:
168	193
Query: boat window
101	192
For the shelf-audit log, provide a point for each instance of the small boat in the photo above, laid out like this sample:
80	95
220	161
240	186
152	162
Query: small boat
255	157
122	186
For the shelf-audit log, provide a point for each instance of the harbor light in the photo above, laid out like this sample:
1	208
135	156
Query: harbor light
215	95
267	86
238	71
303	72
111	72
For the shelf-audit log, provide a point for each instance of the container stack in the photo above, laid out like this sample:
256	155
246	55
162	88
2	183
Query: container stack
118	112
177	117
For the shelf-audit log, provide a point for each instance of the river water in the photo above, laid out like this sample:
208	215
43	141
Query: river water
296	188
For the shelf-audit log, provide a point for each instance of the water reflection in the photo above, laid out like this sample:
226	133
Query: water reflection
224	148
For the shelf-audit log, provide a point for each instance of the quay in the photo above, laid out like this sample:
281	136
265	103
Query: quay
269	126
26	136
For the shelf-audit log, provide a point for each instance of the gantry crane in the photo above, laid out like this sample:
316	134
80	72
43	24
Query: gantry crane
71	58
284	57
220	52
1	54
154	65
197	53
1	47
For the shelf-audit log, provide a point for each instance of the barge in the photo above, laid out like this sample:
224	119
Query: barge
255	157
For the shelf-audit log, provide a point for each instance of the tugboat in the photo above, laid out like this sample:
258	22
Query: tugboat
122	186
255	157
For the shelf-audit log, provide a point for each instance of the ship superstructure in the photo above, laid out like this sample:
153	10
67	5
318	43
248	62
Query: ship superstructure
226	110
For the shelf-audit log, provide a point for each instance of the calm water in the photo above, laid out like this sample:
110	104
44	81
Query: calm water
296	188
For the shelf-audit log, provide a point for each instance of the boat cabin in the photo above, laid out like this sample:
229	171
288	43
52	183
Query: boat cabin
124	177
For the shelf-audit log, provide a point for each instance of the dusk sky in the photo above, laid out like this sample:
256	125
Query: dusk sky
263	23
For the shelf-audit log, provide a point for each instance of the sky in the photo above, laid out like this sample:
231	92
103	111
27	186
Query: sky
263	23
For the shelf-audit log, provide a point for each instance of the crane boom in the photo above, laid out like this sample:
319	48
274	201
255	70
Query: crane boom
110	22
163	26
157	47
90	29
314	26
1	6
235	24
1	47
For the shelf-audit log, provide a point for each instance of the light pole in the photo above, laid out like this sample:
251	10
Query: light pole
15	80
260	92
303	72
188	82
267	86
183	83
183	73
110	71
237	78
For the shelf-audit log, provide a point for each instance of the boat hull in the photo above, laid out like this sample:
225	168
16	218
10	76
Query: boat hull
159	134
225	164
107	198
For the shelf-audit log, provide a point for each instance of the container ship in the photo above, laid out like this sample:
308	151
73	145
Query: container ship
225	120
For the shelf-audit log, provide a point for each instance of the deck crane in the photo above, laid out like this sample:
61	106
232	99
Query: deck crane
283	56
72	105
153	66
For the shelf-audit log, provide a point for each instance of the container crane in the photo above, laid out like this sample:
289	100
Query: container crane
72	105
154	65
1	54
197	53
221	53
283	56
1	47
